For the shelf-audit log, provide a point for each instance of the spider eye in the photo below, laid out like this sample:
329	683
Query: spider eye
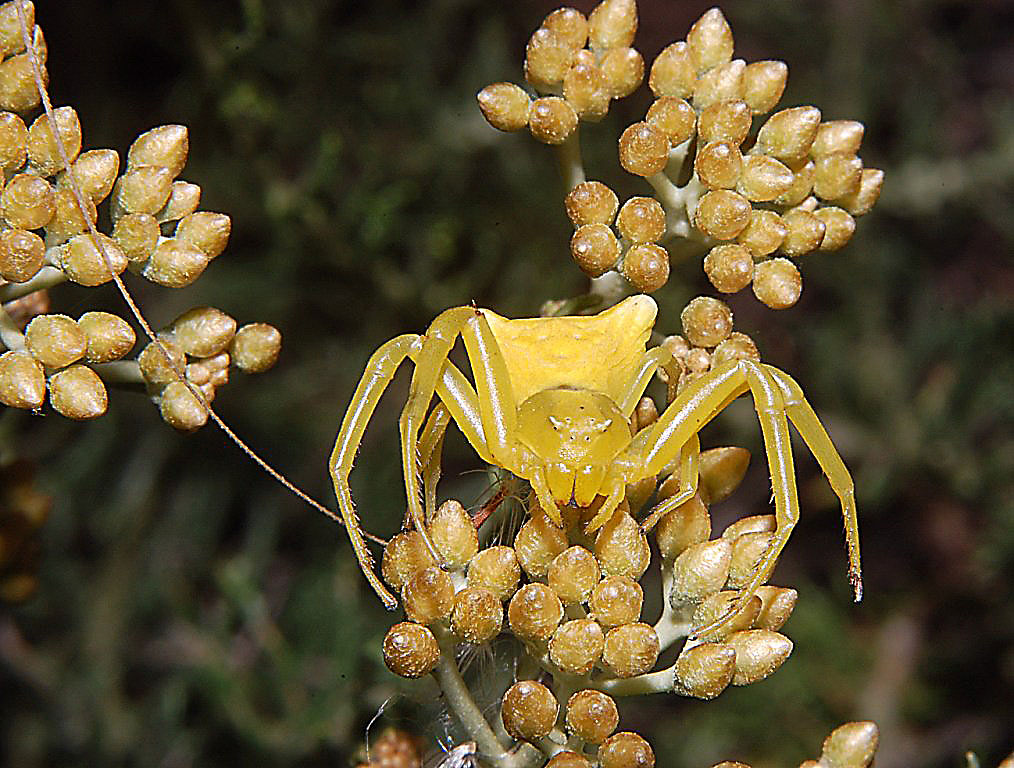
555	422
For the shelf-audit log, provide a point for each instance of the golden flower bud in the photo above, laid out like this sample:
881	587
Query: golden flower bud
861	202
156	369
405	555
137	235
804	232
27	202
568	759
165	146
839	226
537	543
55	340
622	70
110	337
410	650
836	175
852	745
729	267
11	40
631	649
641	220
576	646
723	83
144	189
759	652
175	263
206	230
453	534
626	750
529	710
22	255
721	471
747	551
705	670
645	414
591	202
505	106
777	604
763	84
747	525
763	233
255	347
595	249
621	547
644	150
710	40
573	573
95	173
777	283
180	408
672	72
534	613
428	595
67	219
674	117
586	89
616	600
13	142
723	214
718	605
477	615
87	260
184	198
838	136
18	91
78	393
727	120
698	361
203	331
592	716
612	24
706	321
764	179
700	570
684	526
646	267
738	346
788	135
551	120
496	569
547	59
22	380
719	165
569	26
43	155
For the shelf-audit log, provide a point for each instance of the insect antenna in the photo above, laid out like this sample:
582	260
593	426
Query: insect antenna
129	300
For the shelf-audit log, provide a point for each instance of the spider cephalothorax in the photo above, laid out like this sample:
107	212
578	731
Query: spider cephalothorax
551	403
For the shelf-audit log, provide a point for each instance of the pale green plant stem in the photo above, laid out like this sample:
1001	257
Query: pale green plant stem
672	625
650	682
120	373
568	155
46	277
10	334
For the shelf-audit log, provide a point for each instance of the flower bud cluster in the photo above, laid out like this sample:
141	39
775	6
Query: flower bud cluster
577	65
48	214
632	249
23	510
203	343
393	748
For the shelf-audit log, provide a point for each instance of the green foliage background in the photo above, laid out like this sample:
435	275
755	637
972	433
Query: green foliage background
192	613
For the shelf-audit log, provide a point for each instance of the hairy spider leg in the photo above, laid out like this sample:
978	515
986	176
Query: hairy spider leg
431	444
690	472
802	416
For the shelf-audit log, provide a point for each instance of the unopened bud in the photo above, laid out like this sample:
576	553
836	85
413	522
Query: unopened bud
577	646
839	226
175	263
777	283
534	613
592	716
537	543
721	472
156	369
644	150
763	233
27	202
718	606
641	220
723	214
834	136
144	189
804	232
137	235
405	555
505	106
184	198
616	600
612	24
586	89
22	380
206	230
705	670
551	120
763	84
410	650
672	72
591	202
18	91
569	26
78	393
529	710
836	175
453	534
43	154
496	569
706	321
595	249
573	573
674	117
180	407
22	254
725	121
777	604
684	526
852	745
477	615
759	652
428	595
255	347
621	547
710	40
622	70
55	341
203	331
738	346
11	40
861	202
646	267
701	569
13	142
722	83
87	259
165	146
788	135
110	337
95	173
747	551
719	165
764	179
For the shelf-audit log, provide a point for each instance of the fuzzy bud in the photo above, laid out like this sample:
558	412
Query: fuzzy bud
22	254
674	117
622	71
206	230
723	214
155	368
705	670
764	179
165	146
404	556
55	340
534	613
626	750
706	321
777	283
701	569
621	547
18	91
719	165
573	573
496	569
428	595
43	154
84	260
175	263
591	202
644	150
13	142
738	346
717	606
763	84
722	83
759	652
721	472
870	184
529	710
505	106
646	267
684	526
78	393
587	90
616	600
788	135
576	646
477	615
547	59
410	650
631	649
672	72
804	232
729	267
763	234
180	407
570	26
537	543
551	120
592	716
710	40
27	202
95	173
612	24
852	745
22	380
641	220
110	337
839	226
142	189
453	534
835	136
595	249
725	121
777	604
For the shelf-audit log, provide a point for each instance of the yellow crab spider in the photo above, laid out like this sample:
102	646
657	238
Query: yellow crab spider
551	403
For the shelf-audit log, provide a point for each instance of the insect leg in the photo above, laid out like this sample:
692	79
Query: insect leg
689	478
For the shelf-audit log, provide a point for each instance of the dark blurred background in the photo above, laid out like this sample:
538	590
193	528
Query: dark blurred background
190	612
